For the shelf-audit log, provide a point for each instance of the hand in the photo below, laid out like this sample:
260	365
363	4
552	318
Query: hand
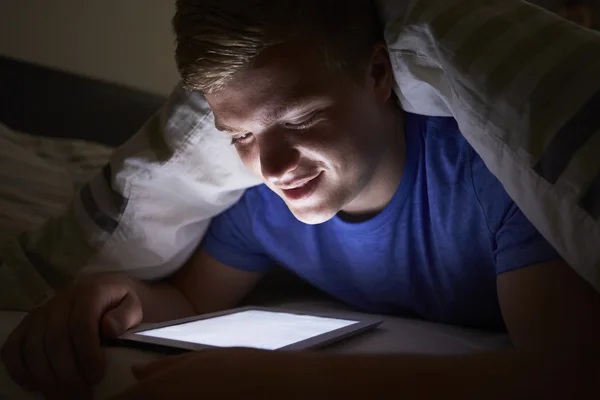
226	374
56	348
257	374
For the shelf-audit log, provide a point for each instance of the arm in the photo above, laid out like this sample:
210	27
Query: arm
201	286
553	318
57	346
226	266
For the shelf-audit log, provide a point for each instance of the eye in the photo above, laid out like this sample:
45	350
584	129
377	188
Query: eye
307	123
241	138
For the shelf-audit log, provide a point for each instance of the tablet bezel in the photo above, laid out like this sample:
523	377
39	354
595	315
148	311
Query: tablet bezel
132	339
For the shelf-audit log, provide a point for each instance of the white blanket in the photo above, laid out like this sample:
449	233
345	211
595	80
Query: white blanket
523	85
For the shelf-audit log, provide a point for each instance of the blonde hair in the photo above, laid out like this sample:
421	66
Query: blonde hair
217	38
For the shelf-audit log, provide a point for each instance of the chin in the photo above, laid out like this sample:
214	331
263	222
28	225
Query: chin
313	217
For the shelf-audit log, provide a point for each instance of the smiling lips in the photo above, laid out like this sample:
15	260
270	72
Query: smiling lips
301	188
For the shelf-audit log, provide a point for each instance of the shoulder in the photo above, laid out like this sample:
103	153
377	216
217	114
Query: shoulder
495	202
447	150
256	200
445	155
259	213
248	212
442	136
436	135
433	128
260	196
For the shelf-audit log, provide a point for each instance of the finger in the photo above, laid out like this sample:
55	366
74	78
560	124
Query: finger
12	356
84	333
126	315
36	359
142	371
85	326
61	352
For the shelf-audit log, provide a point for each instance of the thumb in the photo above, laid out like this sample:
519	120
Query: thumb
127	314
143	371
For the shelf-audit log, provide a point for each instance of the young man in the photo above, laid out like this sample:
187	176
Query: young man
388	211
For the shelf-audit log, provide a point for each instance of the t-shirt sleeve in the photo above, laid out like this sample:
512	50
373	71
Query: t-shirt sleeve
519	244
230	238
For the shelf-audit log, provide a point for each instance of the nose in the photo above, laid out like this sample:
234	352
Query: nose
278	156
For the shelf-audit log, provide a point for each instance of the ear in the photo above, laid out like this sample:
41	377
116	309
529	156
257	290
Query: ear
381	75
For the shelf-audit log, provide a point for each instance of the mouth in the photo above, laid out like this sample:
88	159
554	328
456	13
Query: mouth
302	189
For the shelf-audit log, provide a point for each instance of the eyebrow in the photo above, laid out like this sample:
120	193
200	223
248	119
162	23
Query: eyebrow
278	113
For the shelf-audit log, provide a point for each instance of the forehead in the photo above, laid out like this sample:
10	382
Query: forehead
283	77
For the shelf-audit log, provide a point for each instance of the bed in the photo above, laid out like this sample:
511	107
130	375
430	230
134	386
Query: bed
55	126
395	335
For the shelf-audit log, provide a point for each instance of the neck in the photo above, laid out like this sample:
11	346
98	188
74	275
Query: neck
386	177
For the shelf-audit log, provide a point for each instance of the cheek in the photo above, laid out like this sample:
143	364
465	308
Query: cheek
250	156
337	140
322	144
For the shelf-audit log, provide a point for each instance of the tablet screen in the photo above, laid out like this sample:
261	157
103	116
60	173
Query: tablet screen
254	328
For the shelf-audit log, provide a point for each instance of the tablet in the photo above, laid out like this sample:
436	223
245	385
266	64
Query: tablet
254	327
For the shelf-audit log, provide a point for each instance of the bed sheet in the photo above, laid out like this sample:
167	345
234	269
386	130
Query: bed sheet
394	335
39	176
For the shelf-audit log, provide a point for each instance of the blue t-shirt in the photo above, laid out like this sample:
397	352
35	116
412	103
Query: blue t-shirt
433	252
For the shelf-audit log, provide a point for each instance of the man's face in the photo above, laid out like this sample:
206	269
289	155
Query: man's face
312	135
